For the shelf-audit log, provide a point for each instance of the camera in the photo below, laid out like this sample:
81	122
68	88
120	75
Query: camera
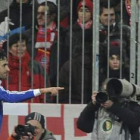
116	89
23	130
101	97
122	88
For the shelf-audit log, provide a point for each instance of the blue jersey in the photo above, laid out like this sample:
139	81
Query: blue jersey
14	96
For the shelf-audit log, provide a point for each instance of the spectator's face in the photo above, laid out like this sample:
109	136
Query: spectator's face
4	69
18	49
84	14
41	16
38	128
114	62
23	1
107	16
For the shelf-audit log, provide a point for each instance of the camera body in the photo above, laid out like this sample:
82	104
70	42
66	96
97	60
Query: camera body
23	130
101	97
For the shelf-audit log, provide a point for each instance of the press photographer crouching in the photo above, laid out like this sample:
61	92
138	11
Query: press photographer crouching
112	115
34	129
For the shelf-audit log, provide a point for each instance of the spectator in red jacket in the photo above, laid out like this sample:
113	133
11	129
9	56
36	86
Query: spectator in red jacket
31	72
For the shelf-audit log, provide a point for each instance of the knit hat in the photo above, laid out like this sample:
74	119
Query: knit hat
114	50
35	116
87	3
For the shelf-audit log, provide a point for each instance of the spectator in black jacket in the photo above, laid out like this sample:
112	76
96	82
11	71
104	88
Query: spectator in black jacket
78	27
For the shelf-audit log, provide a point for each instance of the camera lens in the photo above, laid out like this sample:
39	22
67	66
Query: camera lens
101	97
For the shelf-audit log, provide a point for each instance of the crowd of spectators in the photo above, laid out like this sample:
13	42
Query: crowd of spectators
50	43
54	47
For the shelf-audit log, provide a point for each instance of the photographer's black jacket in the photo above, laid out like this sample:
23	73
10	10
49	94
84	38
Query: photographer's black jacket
130	116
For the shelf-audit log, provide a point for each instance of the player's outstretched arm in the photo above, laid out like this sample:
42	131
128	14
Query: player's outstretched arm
52	90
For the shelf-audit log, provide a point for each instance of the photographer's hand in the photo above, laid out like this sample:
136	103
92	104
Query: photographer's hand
107	104
94	97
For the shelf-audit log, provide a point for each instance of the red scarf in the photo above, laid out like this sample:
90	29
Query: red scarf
51	35
87	25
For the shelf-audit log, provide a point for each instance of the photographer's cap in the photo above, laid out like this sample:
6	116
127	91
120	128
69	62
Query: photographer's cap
36	116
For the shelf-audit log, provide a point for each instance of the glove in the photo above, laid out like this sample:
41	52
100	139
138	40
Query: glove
4	26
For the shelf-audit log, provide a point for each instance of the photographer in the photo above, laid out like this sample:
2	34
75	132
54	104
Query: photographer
111	120
34	129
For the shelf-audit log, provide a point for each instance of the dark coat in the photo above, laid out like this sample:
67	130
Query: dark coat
76	78
129	115
115	37
76	39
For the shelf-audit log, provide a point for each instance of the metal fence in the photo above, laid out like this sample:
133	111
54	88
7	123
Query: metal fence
133	61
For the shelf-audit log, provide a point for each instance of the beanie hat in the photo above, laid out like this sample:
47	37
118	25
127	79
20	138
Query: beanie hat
36	116
87	3
114	50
